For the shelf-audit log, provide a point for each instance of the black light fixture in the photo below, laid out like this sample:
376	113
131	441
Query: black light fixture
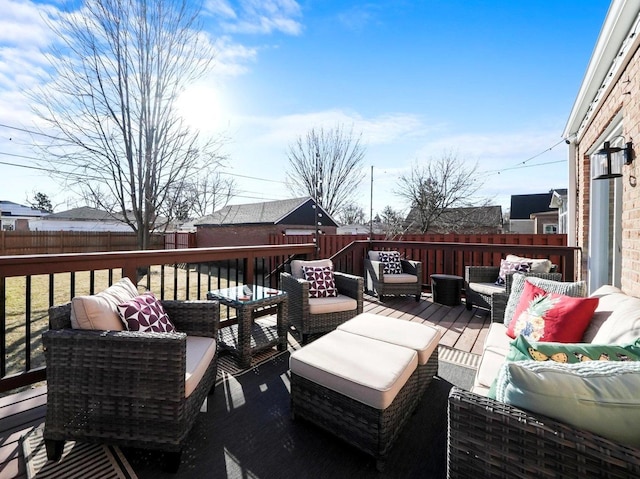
607	162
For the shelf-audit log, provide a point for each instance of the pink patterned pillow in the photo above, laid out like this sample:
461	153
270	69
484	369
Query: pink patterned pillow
145	313
323	284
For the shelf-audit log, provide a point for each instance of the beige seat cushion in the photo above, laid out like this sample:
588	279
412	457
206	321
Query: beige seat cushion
401	278
486	288
200	352
623	325
296	266
363	369
420	337
100	311
496	348
333	304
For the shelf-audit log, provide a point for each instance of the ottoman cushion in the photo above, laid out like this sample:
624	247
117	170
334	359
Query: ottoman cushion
419	337
364	369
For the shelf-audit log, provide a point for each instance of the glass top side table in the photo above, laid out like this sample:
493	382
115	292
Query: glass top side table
251	334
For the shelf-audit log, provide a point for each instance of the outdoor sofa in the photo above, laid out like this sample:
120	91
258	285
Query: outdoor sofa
490	438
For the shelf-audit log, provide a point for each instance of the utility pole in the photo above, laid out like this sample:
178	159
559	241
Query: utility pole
318	197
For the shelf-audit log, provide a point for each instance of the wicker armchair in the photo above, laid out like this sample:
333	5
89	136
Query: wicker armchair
492	439
481	290
122	387
303	320
386	285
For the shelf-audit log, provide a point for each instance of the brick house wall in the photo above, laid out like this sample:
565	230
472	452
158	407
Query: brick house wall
247	235
623	98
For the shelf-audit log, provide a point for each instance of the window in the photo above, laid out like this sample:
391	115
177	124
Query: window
549	228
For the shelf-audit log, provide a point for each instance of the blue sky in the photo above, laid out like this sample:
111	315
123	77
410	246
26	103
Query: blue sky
492	82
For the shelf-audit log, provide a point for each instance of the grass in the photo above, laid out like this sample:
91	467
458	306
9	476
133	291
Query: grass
65	287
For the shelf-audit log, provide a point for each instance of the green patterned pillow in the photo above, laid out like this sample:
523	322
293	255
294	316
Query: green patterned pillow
523	350
576	290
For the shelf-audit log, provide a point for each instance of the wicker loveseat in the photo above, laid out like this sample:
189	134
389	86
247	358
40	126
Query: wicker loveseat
129	388
494	439
320	315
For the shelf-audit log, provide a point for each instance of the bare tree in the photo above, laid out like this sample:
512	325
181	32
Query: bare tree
329	161
206	194
352	214
443	183
111	105
392	221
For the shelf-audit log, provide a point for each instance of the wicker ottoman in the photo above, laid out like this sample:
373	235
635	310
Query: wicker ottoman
357	388
422	338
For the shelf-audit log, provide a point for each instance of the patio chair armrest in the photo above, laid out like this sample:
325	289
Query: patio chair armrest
375	269
113	363
481	274
412	267
487	435
349	285
298	295
195	318
498	307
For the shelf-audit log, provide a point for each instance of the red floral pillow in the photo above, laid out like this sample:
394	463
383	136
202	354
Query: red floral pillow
322	282
145	313
542	316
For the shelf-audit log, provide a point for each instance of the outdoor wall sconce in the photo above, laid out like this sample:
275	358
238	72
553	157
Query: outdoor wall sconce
607	162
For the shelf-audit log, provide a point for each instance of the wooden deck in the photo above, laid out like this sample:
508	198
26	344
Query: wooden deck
463	330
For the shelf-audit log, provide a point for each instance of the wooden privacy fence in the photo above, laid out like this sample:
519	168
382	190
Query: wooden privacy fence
331	244
59	242
447	254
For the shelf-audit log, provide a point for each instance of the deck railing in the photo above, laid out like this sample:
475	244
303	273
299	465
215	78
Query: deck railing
451	258
30	284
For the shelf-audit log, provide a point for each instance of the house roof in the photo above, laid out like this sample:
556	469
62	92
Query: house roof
461	219
606	59
83	213
9	208
270	212
523	205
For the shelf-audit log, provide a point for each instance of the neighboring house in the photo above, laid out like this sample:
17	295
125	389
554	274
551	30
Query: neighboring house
16	217
524	206
470	220
605	213
251	224
80	219
360	229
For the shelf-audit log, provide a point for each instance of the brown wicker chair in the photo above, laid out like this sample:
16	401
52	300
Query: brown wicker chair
300	317
380	284
123	387
488	438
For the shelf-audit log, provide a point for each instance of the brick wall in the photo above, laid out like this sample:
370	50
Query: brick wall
235	235
624	98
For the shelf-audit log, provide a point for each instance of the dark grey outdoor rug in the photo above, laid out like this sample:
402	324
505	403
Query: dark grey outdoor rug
247	433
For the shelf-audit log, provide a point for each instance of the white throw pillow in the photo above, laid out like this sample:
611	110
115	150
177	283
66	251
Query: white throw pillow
537	265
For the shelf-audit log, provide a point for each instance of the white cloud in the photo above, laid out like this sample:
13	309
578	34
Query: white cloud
258	16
